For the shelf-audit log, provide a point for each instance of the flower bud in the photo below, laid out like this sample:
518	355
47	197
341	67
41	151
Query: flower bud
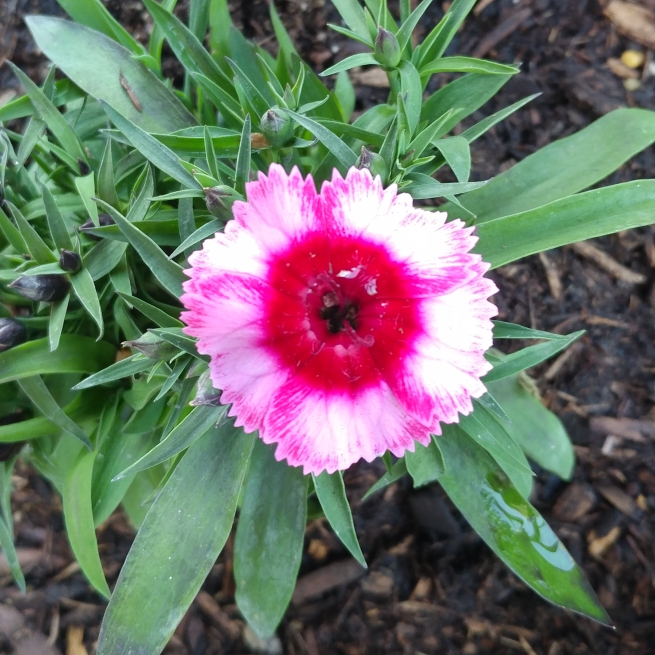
205	393
214	200
42	288
152	346
374	163
277	127
103	221
12	333
387	50
70	261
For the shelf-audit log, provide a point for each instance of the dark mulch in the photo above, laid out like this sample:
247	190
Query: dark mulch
432	585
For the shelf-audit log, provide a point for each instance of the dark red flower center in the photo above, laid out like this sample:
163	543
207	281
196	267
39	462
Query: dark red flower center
340	312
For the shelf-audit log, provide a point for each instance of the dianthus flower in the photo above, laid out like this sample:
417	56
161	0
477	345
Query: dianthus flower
341	324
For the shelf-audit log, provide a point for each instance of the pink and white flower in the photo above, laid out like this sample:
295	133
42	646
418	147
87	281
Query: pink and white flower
341	324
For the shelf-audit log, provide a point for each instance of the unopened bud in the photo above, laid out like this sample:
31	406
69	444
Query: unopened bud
103	221
84	167
70	261
12	333
42	288
374	163
205	393
277	127
387	50
152	346
214	200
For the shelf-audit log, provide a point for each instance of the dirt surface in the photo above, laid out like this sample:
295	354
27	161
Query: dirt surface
432	586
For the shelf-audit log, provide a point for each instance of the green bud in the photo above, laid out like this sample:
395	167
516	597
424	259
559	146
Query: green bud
70	261
42	288
374	163
205	393
387	50
152	346
277	127
12	333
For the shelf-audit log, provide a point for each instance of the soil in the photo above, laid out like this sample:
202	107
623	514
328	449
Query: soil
432	585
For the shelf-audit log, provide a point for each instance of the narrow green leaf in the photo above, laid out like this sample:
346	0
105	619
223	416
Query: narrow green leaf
513	529
192	427
412	91
204	231
466	94
538	431
40	396
161	318
397	471
35	244
9	550
456	152
95	15
404	34
331	493
583	216
168	273
566	166
56	123
103	258
362	59
106	181
85	291
477	130
179	340
12	234
353	16
56	223
75	354
503	330
152	149
269	539
243	158
422	186
457	12
80	527
122	369
106	70
345	94
425	464
484	428
56	322
468	65
332	142
529	357
178	543
86	187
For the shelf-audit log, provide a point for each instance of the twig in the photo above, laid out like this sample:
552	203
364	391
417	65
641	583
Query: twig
552	276
607	263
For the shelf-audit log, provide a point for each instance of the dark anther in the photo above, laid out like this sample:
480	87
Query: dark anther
335	314
103	220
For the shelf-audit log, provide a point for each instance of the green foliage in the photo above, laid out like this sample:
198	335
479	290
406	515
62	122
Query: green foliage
117	167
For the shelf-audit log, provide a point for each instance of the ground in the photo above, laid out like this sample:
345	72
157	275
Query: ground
432	586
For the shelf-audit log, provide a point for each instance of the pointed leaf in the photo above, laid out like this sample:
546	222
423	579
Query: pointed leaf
182	535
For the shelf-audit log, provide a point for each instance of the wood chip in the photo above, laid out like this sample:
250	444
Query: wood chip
633	21
372	77
75	640
621	70
212	610
24	640
607	263
563	360
552	275
574	503
619	499
628	428
325	579
502	31
598	546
